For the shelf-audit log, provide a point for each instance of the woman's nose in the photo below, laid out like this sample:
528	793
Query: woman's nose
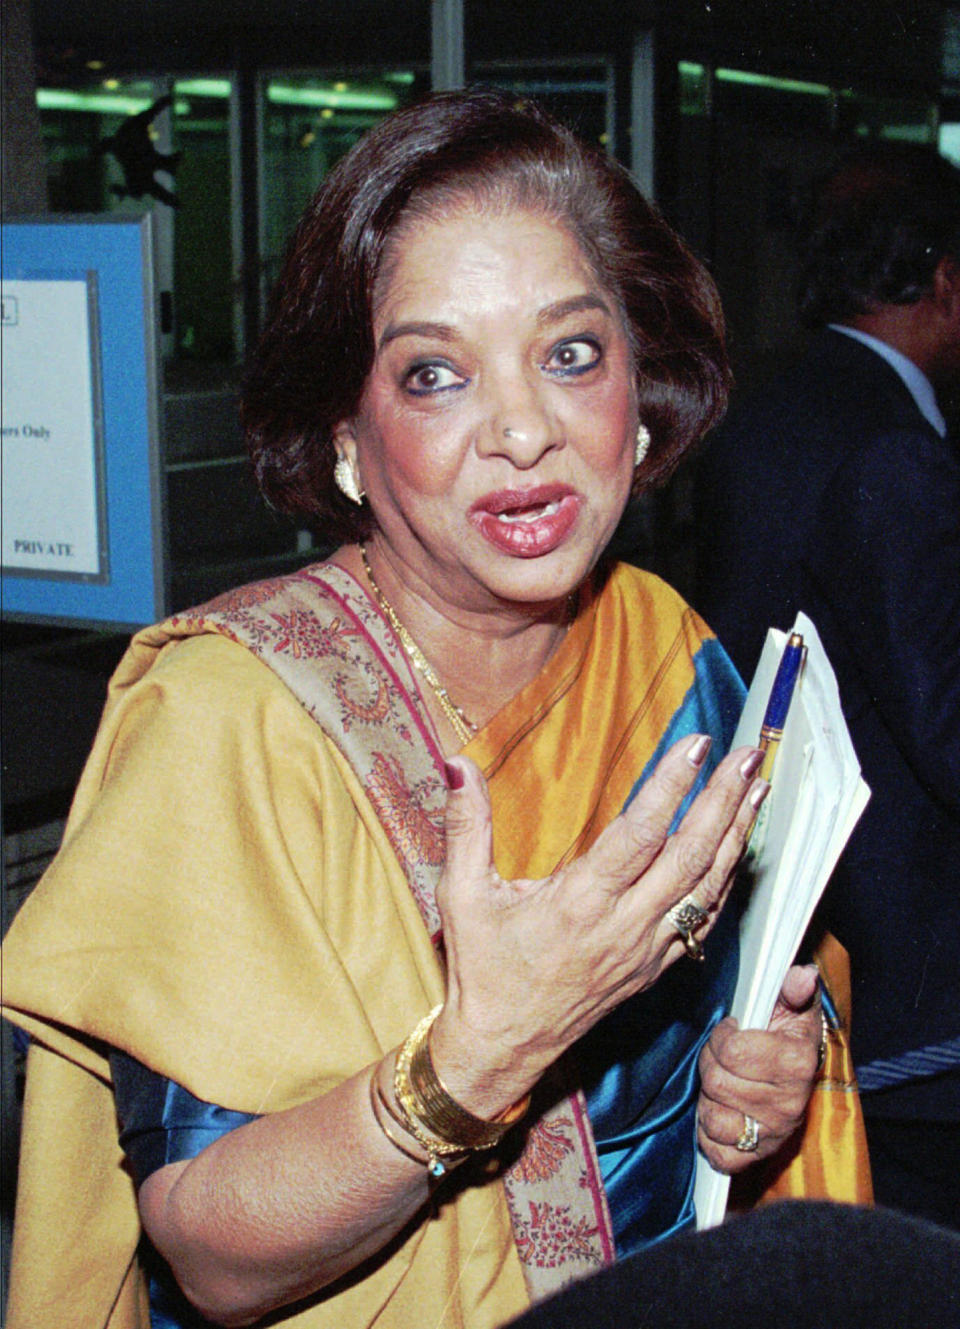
520	426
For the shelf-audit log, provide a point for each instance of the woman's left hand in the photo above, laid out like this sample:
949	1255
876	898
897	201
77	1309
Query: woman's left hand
766	1075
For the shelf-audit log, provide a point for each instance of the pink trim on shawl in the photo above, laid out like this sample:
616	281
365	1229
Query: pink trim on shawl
594	1179
408	690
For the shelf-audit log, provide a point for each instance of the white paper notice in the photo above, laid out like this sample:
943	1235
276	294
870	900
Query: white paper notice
816	799
52	488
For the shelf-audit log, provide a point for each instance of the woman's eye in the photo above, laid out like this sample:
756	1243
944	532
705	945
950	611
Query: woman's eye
422	380
574	357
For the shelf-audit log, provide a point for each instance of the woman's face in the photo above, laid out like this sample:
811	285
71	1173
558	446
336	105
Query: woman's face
495	436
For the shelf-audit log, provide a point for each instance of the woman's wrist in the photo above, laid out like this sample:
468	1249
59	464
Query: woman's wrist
477	1070
418	1115
405	1134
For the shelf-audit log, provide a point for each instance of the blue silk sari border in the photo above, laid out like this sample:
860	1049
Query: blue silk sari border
639	1065
161	1122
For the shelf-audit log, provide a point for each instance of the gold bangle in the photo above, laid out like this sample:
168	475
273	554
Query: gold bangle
424	1097
387	1106
406	1126
436	1165
514	1113
440	1153
376	1093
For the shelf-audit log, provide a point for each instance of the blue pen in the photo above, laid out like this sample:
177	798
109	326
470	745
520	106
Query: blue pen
771	731
781	694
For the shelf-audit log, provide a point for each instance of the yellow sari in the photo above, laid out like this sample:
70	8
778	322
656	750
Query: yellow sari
243	903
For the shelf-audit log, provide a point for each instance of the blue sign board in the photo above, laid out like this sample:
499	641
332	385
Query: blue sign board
81	540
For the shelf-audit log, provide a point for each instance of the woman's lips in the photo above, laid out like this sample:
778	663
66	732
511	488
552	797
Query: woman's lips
527	523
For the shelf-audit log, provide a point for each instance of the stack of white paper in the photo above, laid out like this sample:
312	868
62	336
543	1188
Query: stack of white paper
815	800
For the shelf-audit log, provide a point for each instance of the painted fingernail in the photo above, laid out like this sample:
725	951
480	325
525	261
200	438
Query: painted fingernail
751	765
698	749
454	775
758	793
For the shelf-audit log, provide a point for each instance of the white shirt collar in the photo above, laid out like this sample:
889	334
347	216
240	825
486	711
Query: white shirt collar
915	380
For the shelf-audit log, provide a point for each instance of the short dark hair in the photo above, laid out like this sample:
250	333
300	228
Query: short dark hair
877	225
308	372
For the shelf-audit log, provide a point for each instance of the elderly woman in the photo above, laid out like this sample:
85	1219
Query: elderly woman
375	923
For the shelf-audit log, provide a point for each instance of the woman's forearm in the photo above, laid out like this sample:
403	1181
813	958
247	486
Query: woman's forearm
282	1206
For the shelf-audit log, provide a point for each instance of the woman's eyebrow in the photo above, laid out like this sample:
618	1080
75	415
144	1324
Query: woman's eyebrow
442	331
551	313
573	305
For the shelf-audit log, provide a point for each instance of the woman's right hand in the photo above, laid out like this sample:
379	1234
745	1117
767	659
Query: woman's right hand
532	965
287	1204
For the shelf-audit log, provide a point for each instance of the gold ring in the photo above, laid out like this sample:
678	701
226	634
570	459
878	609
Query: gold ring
686	917
749	1137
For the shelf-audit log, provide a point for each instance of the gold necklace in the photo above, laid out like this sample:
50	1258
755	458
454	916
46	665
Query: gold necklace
462	727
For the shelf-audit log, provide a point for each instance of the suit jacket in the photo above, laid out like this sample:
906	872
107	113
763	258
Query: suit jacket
829	492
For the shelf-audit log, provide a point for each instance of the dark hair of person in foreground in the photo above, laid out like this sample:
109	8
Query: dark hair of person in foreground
793	1265
308	372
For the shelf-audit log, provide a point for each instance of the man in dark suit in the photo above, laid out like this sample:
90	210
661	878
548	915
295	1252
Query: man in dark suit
837	491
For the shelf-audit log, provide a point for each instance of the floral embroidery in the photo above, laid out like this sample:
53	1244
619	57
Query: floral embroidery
299	634
550	1237
352	708
548	1143
414	836
244	597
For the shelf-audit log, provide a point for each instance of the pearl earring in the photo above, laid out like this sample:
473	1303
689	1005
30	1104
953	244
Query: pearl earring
643	444
346	481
